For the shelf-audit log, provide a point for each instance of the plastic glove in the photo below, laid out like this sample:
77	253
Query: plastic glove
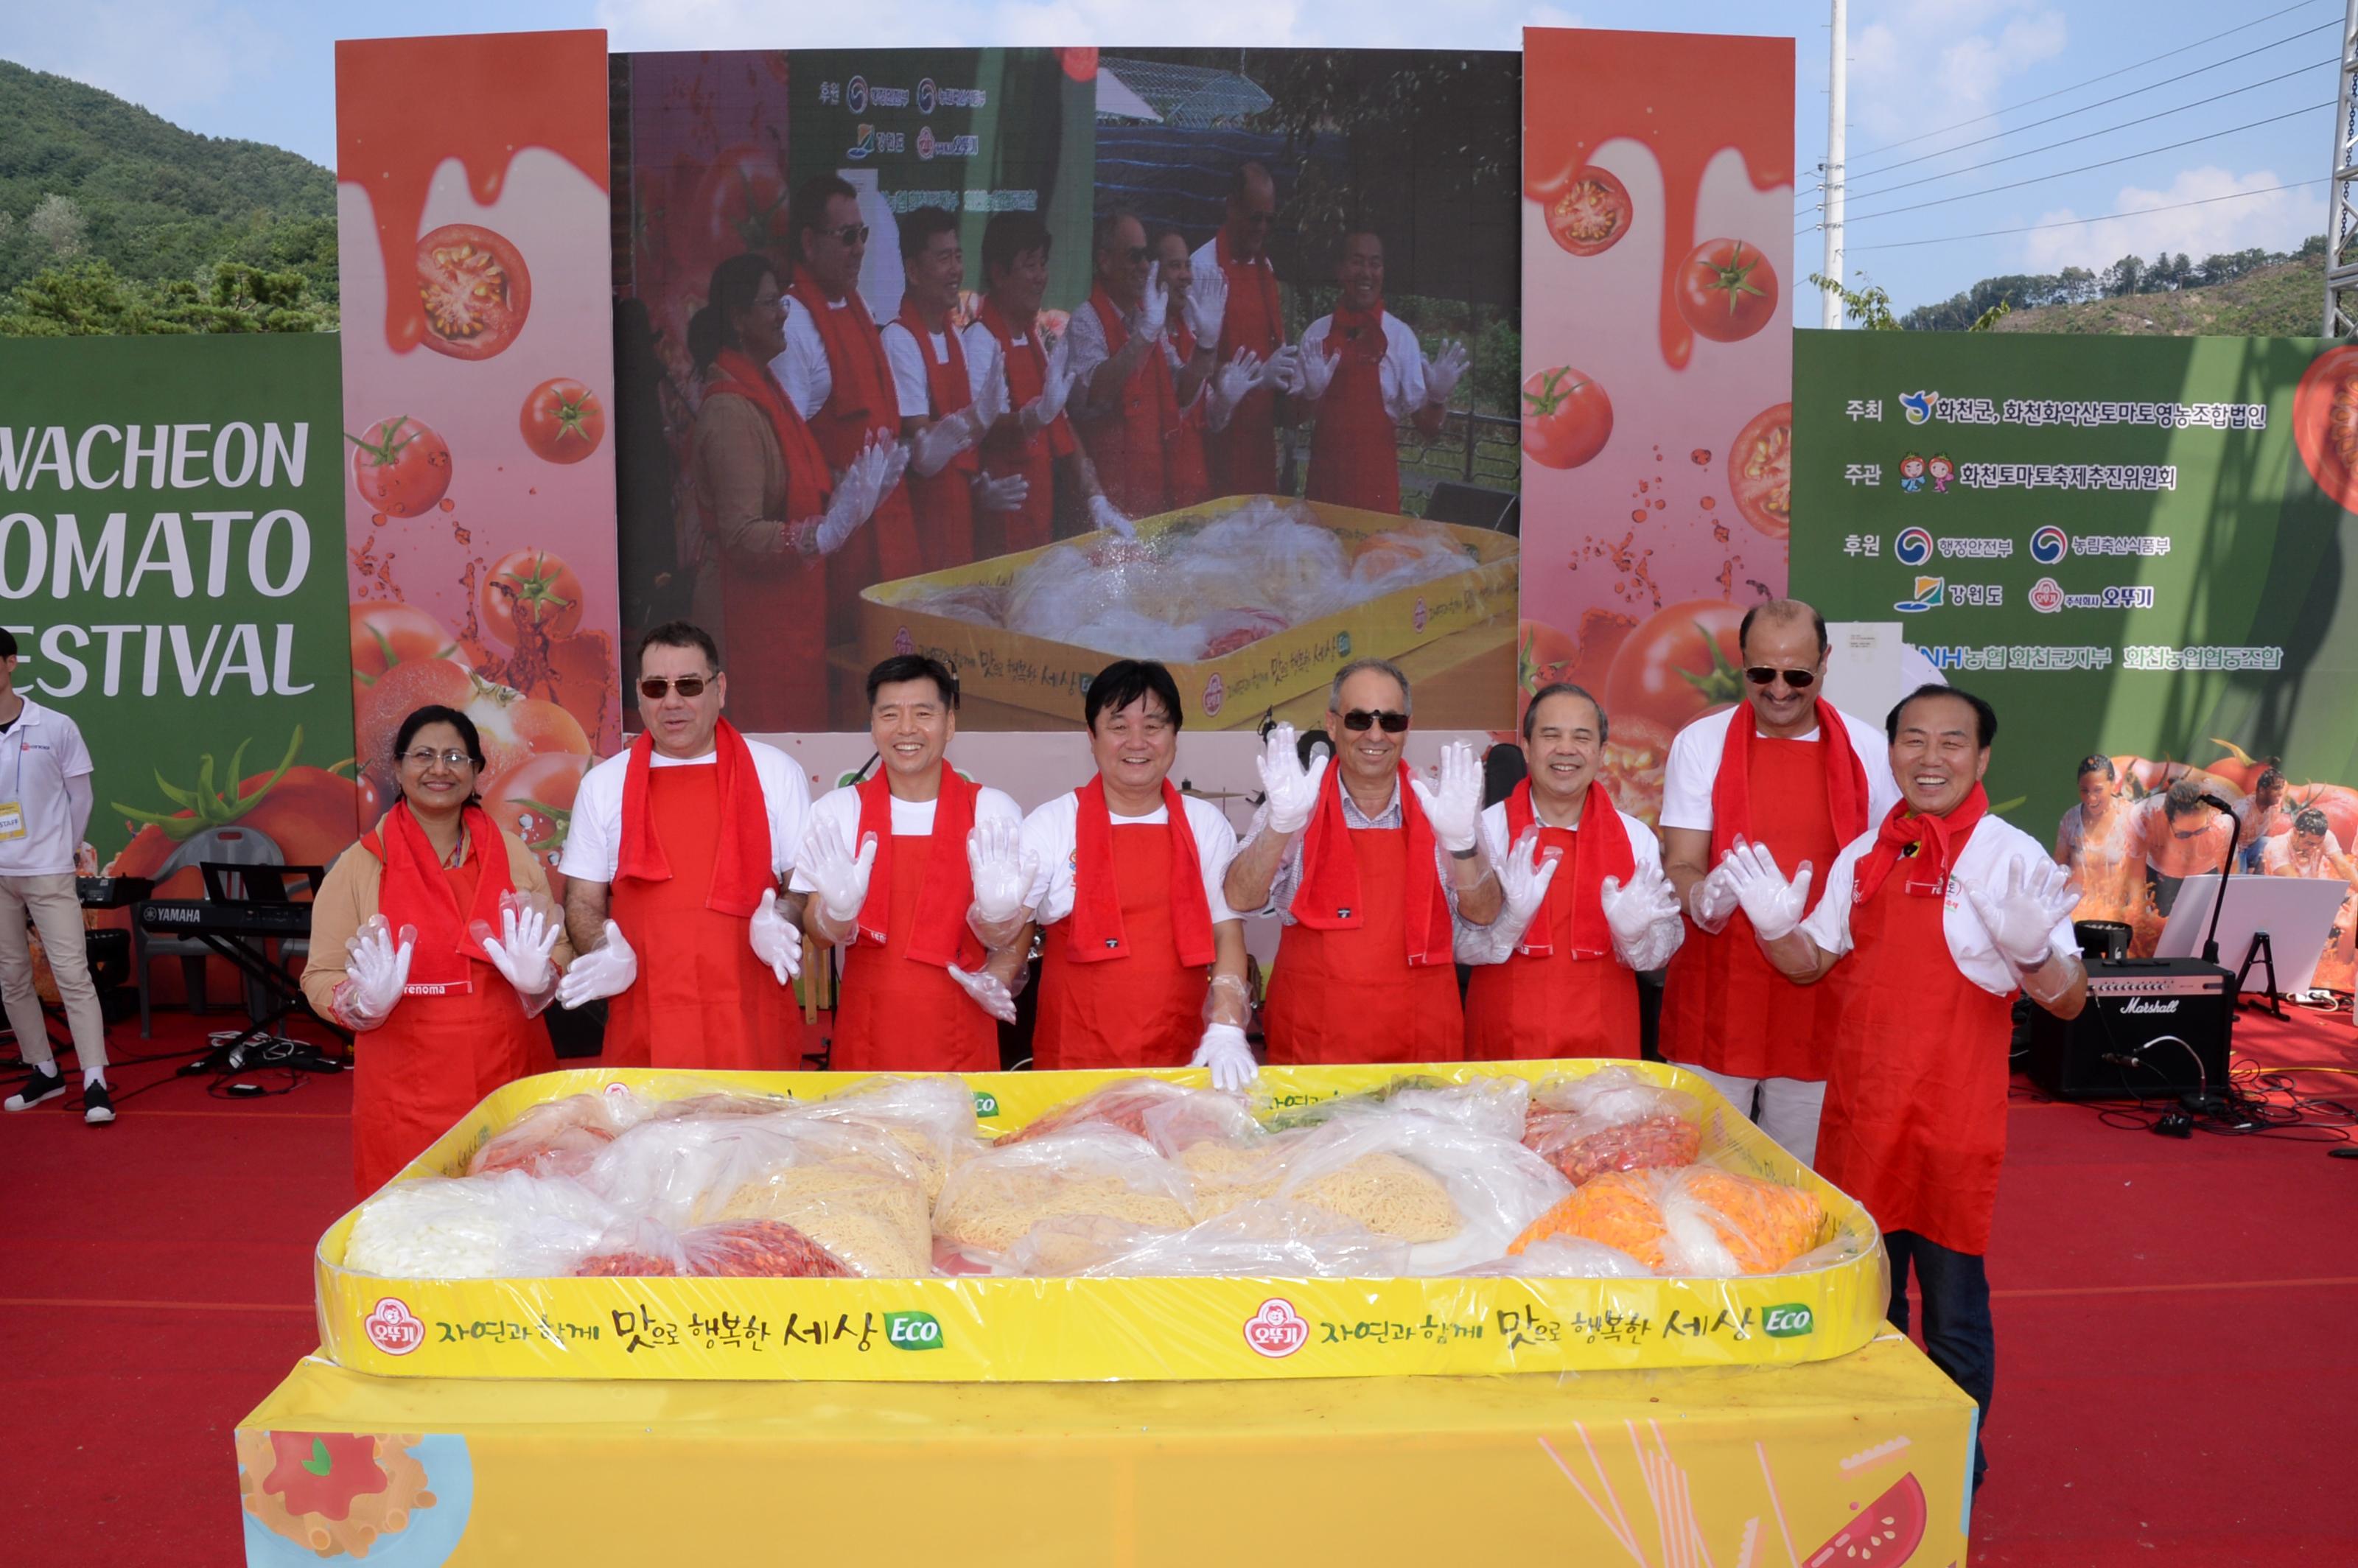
1773	905
775	940
1456	808
1233	380
893	462
1002	875
857	491
1207	306
376	969
989	993
520	952
1634	910
990	405
837	880
1442	374
608	970
1315	372
1711	901
1110	517
932	448
1291	789
2021	911
1223	1050
1006	492
1523	882
1041	411
1283	370
1154	305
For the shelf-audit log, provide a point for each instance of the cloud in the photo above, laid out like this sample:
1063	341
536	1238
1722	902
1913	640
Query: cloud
1934	62
2278	221
166	56
1268	24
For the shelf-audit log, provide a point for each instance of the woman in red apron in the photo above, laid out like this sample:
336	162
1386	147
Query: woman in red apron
436	871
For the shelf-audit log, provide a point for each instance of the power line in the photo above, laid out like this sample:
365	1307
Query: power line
2103	218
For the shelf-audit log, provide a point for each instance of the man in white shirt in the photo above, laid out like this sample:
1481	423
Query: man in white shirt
1243	452
948	401
1124	403
45	803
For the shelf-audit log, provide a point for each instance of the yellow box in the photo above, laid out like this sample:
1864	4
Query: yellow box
1027	1330
1051	678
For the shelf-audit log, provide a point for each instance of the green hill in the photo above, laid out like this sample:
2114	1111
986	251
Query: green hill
2286	300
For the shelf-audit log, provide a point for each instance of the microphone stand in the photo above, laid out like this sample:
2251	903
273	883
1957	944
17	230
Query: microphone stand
2226	868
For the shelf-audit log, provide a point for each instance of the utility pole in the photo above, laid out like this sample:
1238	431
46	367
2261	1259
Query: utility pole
2341	214
1838	99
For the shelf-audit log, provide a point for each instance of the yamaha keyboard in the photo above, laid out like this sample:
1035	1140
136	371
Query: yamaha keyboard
222	917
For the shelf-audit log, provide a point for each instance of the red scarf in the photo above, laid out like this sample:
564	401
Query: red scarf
1929	844
940	935
1357	334
1255	280
947	389
1600	849
859	400
1731	791
416	892
1096	902
1328	896
742	872
1026	365
807	480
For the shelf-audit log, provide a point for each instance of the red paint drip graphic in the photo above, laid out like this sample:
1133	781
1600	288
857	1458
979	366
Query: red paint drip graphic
1584	89
404	106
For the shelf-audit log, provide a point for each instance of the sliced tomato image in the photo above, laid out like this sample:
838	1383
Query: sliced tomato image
562	421
532	587
475	289
1726	290
1591	213
1885	1532
1637	752
1760	470
1678	663
2325	424
1567	419
400	466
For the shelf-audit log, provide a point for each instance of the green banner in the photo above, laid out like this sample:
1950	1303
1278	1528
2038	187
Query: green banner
171	558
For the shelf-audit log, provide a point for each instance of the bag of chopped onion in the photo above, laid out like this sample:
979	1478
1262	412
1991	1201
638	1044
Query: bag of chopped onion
992	1202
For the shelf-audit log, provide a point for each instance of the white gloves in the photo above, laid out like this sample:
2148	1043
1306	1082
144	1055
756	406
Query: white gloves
1004	493
1524	882
988	993
1207	306
1312	373
868	480
1041	411
1773	905
1711	901
1441	374
608	970
2022	912
839	881
1232	382
375	973
1456	808
775	939
1283	370
1224	1052
990	405
1110	517
1002	875
931	449
1155	305
1644	916
521	950
1291	789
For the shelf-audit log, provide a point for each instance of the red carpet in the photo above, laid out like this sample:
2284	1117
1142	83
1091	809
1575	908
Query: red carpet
2176	1371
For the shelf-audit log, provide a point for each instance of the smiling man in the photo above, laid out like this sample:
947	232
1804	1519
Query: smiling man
1935	919
946	404
1242	454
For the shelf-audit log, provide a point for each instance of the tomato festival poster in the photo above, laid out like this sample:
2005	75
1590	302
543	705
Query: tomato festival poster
1658	200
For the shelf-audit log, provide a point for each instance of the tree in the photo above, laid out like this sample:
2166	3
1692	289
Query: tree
2124	276
1871	307
89	297
58	222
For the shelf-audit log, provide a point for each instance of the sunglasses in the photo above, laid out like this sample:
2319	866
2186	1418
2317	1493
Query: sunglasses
1134	254
851	233
1763	674
1360	719
652	688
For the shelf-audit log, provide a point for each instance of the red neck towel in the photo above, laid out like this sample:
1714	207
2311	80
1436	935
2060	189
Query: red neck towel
742	872
940	935
1328	896
1357	334
945	379
416	892
1929	844
1731	791
1096	902
1600	849
807	481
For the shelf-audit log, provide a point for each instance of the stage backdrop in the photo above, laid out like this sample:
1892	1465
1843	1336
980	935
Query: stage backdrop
1658	173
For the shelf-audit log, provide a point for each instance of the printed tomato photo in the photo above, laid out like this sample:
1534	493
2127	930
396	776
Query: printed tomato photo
1542	655
2325	424
1726	290
1637	752
535	801
475	289
310	814
385	633
562	421
1760	470
1678	663
739	205
530	588
1591	213
1567	419
400	466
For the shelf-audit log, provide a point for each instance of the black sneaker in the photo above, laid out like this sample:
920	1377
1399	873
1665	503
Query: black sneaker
43	1085
97	1105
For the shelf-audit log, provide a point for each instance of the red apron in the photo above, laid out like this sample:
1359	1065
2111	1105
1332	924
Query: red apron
1915	1118
1354	450
1184	473
860	404
435	1059
1142	1010
773	607
702	998
1556	1005
1351	995
943	503
1125	442
897	1013
1243	457
1007	450
1724	1006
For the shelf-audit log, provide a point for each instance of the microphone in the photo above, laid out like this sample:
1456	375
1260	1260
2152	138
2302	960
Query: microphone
2215	804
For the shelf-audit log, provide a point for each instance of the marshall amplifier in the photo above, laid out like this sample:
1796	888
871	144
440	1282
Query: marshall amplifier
2153	1027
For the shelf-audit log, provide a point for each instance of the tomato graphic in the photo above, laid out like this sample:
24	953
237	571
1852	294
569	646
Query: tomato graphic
476	291
1760	470
385	633
1636	753
532	587
1679	662
512	727
515	729
741	204
1591	213
535	801
401	691
400	466
562	421
2325	424
2240	766
1726	290
1567	419
310	814
2338	802
1542	655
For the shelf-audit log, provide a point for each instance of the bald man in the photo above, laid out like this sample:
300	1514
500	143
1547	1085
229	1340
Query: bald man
1243	456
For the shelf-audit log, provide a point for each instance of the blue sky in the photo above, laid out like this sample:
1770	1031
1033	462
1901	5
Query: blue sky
262	69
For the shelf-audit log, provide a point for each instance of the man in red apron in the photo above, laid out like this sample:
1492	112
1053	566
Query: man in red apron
672	863
1124	401
1363	371
1192	332
1786	770
1588	906
946	405
885	877
1936	917
1144	962
1242	454
1368	870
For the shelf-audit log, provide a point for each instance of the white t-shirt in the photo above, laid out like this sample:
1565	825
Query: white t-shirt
802	369
1694	768
593	843
1051	836
909	382
40	752
1402	370
911	818
1995	845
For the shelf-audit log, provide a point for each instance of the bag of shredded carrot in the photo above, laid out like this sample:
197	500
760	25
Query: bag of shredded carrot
1697	1221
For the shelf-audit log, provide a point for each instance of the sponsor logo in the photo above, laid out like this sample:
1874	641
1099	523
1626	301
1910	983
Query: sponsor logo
855	96
1276	1331
1918	405
2150	1004
2050	596
986	1105
864	144
2047	596
1214	695
1930	593
392	1328
1342	645
2050	544
925	97
1789	1322
925	144
1417	616
902	642
1913	547
912	1330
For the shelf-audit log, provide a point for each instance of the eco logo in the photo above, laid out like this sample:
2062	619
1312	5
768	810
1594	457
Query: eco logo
865	145
1913	547
912	1330
2046	595
1788	1322
855	96
392	1328
1918	405
1930	593
1276	1331
2050	544
986	1104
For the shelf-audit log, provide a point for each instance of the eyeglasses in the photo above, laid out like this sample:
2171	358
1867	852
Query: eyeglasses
1134	254
1764	675
426	756
652	688
851	233
1360	719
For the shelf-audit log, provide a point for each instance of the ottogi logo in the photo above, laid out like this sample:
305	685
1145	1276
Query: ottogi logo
912	1330
985	1103
1930	592
391	1329
903	643
1214	695
854	95
925	95
1276	1331
2047	596
925	143
1418	615
2050	544
1913	549
1787	1322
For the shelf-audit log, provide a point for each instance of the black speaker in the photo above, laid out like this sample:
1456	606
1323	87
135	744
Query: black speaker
2152	1027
